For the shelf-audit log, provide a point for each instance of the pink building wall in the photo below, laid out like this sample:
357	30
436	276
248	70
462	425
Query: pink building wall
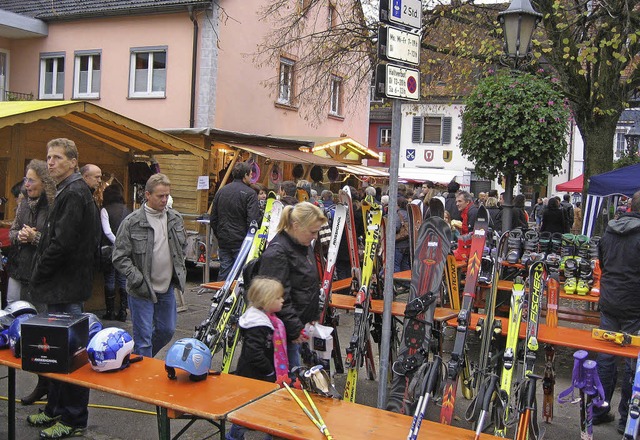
115	36
245	105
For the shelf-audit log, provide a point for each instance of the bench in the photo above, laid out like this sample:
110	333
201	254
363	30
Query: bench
576	338
278	415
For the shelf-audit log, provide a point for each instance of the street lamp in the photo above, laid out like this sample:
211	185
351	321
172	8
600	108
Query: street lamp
518	23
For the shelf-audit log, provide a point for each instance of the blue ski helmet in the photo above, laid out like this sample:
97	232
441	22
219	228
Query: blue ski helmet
95	325
190	355
110	349
14	333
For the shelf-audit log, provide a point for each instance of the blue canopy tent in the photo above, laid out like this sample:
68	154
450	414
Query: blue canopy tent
621	182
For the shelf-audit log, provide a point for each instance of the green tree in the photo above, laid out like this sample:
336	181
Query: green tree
515	125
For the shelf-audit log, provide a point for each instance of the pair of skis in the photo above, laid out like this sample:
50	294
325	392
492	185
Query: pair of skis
458	363
360	340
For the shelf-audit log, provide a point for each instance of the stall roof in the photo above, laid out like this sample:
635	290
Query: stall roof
324	143
288	155
111	128
237	137
360	170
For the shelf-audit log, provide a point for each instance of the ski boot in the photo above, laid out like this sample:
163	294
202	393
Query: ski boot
544	243
583	247
553	263
568	249
464	246
584	276
570	273
531	246
593	248
486	270
556	243
514	245
597	273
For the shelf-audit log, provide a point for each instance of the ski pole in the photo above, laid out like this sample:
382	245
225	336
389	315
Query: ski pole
324	430
486	402
577	379
631	428
592	395
305	410
429	385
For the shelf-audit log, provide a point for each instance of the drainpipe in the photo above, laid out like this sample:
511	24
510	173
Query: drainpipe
194	62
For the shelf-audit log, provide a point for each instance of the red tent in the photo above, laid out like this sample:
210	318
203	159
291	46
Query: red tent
573	185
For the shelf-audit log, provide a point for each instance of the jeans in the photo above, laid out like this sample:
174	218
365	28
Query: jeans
112	278
608	370
293	354
153	324
227	258
401	262
70	402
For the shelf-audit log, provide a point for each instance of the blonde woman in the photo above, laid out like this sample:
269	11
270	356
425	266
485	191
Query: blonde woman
289	259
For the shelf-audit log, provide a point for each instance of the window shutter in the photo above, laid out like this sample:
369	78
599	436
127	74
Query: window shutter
416	131
446	130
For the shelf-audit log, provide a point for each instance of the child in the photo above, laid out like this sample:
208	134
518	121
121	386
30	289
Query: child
264	347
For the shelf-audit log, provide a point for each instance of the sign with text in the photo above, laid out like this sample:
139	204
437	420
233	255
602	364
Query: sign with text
398	45
403	12
399	82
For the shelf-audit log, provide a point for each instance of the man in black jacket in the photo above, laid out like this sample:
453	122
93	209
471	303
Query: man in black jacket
235	206
619	251
63	276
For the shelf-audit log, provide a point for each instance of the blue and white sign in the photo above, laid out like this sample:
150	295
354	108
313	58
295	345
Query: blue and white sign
406	12
411	154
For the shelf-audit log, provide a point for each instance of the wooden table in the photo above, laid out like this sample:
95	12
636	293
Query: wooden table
278	414
147	382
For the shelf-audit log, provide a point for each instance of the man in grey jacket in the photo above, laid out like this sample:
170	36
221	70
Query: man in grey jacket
149	251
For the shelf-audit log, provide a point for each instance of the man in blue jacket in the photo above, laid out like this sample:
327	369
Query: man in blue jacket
619	252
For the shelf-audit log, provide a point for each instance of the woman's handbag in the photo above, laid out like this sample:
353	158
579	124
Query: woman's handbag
403	233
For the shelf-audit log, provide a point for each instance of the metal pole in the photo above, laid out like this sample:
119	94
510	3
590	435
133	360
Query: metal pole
507	207
385	345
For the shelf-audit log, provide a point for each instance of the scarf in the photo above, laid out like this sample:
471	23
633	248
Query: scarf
280	359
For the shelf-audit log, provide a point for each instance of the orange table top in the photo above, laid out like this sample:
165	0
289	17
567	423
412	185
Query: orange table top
147	382
278	414
564	336
336	286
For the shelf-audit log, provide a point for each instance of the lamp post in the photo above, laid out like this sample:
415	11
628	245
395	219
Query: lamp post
518	23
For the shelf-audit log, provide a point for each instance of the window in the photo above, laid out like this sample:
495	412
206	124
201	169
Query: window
51	76
620	143
336	96
86	75
431	130
148	75
285	88
384	140
332	17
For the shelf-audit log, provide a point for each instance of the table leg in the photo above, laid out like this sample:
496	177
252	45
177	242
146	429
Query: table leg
164	424
12	403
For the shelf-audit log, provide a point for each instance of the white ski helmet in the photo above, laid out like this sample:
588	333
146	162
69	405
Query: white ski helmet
110	349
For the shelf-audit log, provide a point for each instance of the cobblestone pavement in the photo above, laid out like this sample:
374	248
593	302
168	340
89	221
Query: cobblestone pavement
113	417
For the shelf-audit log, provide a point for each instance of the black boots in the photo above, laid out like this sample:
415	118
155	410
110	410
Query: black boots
109	300
122	314
41	390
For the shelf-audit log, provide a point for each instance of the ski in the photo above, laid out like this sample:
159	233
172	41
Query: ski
457	362
549	377
206	331
526	397
337	228
434	240
235	305
452	280
509	357
415	220
274	219
352	238
631	428
619	338
356	352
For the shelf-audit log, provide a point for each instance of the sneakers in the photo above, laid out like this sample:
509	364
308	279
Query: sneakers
60	430
41	419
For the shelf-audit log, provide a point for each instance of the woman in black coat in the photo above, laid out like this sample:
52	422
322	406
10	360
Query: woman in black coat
553	217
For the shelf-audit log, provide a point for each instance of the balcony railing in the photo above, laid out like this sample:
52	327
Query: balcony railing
16	96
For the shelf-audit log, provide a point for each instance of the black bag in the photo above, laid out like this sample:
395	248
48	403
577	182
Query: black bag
250	271
105	256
